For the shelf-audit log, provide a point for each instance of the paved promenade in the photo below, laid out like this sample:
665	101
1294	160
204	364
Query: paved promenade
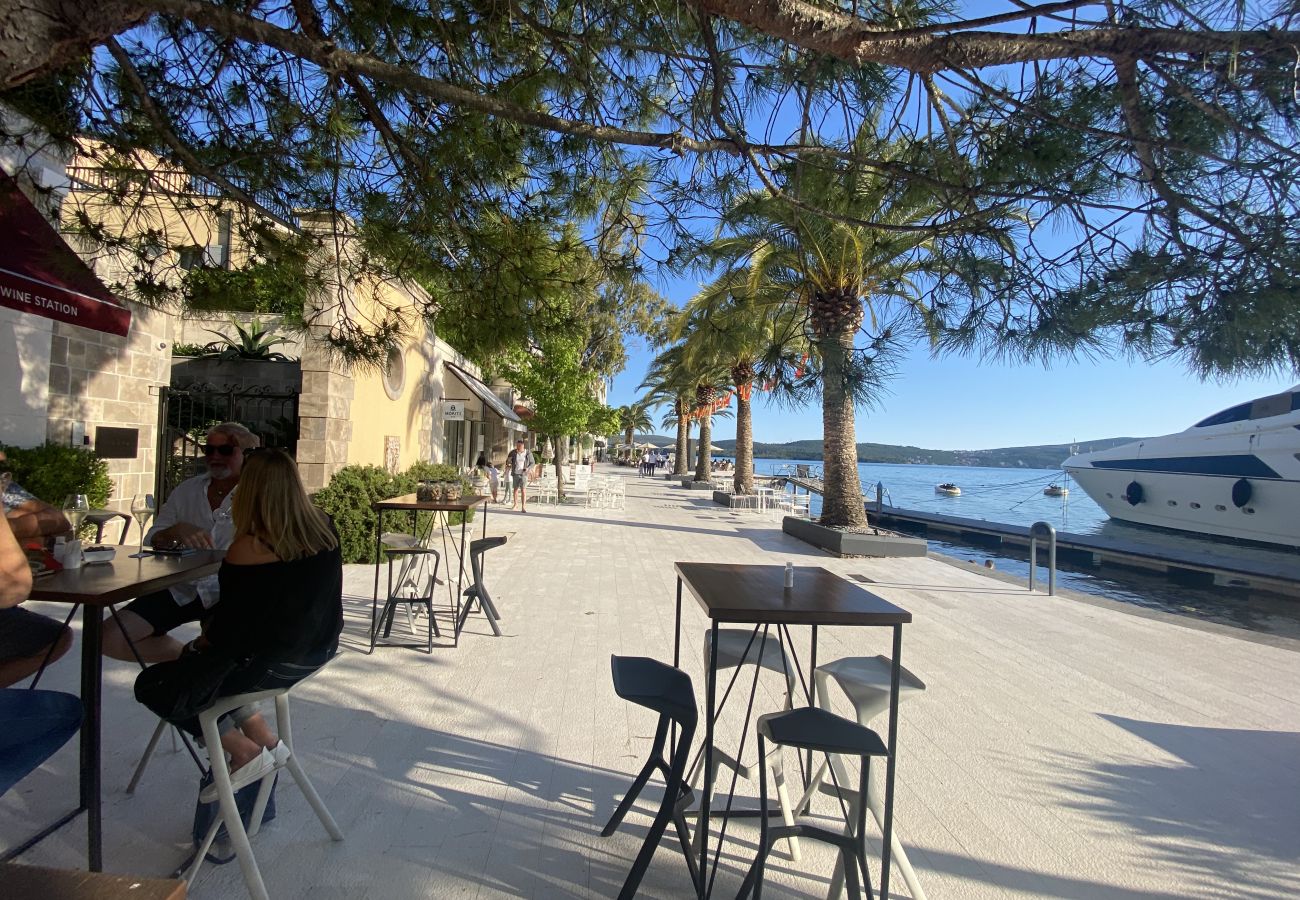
1063	749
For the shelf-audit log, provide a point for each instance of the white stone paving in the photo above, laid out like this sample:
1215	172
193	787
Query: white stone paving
1063	749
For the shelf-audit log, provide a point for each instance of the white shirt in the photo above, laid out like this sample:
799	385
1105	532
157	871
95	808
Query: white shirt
188	502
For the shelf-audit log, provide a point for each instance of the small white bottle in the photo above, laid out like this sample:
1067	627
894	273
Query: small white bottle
789	575
60	548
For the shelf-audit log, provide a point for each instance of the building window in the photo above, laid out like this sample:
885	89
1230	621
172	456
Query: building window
394	373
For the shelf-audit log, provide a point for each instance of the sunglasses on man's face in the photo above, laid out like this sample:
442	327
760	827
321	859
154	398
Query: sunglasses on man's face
223	449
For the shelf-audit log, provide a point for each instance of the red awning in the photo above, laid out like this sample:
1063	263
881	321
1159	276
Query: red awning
42	275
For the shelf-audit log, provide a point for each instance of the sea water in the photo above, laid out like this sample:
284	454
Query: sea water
1015	497
1012	496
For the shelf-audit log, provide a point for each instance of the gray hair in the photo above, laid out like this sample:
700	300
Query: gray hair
237	433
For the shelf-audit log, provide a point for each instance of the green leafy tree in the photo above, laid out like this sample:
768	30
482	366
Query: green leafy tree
553	377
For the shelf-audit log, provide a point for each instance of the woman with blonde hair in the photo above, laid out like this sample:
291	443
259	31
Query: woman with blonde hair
279	619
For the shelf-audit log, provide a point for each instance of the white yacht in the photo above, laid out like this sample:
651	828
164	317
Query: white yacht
1235	474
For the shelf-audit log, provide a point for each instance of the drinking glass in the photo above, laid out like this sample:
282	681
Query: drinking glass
142	508
75	509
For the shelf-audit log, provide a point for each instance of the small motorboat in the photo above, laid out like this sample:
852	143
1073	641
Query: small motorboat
948	489
1055	490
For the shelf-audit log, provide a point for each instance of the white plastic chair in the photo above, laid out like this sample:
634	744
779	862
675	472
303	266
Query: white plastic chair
616	491
228	811
865	681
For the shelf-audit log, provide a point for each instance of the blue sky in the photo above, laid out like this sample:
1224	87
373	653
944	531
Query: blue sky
960	403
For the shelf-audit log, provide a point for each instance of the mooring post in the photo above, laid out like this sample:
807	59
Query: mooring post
1046	529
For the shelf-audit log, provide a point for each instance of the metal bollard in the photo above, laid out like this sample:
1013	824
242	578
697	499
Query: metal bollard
1049	532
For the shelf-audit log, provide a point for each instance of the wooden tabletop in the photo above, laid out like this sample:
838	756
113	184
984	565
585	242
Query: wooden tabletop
408	501
38	883
730	592
124	578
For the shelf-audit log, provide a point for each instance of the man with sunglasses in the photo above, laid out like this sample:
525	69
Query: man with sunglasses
196	514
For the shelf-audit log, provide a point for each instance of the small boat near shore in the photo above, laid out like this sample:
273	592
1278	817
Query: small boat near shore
948	489
1056	490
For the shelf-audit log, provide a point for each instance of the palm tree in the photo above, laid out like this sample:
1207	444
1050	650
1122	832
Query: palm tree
730	330
634	418
675	378
855	272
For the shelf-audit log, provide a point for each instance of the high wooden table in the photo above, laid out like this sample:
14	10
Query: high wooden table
94	588
756	595
410	503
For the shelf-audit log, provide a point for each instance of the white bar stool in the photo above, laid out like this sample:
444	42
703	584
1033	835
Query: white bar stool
739	647
865	680
228	811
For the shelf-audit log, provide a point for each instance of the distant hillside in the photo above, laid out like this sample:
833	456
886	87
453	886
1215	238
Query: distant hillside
1043	456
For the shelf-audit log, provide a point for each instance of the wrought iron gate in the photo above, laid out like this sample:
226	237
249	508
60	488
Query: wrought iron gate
185	415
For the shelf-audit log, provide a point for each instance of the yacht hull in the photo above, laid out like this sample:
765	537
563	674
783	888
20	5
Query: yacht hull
1234	475
1197	503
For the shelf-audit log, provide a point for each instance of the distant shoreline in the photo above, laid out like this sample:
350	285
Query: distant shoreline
1042	456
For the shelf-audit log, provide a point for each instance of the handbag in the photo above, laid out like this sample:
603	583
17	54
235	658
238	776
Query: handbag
177	690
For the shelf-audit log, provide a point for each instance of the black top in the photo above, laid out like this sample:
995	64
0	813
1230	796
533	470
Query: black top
280	611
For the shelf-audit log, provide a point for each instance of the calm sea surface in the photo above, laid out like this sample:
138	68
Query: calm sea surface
1015	496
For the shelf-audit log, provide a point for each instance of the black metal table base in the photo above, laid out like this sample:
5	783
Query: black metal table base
705	812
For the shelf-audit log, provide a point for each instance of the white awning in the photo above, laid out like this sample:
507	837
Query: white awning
484	393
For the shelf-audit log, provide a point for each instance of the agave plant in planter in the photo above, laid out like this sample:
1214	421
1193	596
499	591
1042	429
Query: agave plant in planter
252	342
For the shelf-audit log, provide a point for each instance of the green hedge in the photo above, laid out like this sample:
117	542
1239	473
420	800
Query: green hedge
53	471
354	489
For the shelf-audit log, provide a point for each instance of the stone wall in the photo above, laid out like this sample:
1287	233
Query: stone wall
101	379
324	417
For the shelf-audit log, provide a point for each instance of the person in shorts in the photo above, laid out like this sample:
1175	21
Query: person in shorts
518	462
27	639
196	514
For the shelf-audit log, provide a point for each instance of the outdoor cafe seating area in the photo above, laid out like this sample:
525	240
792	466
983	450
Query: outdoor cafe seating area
1016	742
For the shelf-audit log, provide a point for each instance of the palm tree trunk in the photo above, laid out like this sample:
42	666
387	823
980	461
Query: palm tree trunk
842	501
743	482
702	472
683	439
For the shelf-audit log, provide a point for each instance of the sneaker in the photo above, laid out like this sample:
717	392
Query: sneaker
281	754
255	769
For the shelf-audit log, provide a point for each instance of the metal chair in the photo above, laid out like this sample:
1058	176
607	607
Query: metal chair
415	583
478	590
865	681
811	728
228	809
667	691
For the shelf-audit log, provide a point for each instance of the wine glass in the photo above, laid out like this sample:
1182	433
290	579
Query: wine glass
142	508
75	509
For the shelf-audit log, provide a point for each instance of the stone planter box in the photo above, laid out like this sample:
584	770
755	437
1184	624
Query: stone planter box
694	485
845	544
237	375
735	501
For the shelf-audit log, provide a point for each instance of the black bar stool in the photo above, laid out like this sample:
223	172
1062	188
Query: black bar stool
810	728
415	586
667	691
478	590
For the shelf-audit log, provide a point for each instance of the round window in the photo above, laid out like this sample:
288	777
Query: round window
394	373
